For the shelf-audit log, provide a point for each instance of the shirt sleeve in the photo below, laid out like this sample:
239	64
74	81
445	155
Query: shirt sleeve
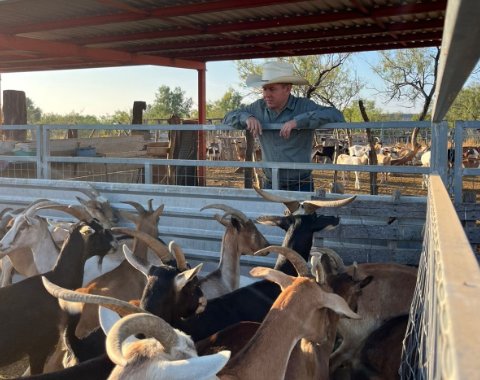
316	115
237	119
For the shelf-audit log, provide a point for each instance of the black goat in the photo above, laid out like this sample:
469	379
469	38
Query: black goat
30	317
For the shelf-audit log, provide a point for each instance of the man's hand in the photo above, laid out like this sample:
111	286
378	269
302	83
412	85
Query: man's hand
254	126
287	128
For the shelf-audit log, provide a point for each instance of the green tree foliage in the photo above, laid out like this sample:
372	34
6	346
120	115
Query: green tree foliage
71	118
352	112
34	113
331	81
231	100
118	117
467	104
169	102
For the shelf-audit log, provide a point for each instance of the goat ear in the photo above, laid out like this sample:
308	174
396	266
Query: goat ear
82	201
183	278
338	305
204	367
280	278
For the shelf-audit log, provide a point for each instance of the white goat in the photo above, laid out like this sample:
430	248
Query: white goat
383	159
167	353
345	159
425	160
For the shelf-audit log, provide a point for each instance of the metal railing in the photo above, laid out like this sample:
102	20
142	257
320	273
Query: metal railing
146	166
443	334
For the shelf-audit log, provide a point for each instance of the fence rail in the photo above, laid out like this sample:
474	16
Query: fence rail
443	334
50	162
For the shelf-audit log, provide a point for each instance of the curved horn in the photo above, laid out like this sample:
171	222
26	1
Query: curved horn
334	256
297	261
33	207
5	210
318	270
333	203
134	262
155	245
149	325
292	204
137	206
177	251
227	209
73	296
78	213
221	220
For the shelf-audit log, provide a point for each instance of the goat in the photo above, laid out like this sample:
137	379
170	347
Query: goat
389	295
241	237
384	159
252	302
113	283
345	159
298	312
34	330
425	160
169	294
213	151
168	354
380	355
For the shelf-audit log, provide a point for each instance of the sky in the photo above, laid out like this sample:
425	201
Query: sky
106	90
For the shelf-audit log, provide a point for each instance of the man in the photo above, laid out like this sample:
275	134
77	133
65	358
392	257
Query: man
299	116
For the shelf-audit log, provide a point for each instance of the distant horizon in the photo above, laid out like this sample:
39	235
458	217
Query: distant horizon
103	91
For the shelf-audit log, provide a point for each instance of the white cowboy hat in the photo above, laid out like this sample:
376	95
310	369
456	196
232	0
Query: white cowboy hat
275	72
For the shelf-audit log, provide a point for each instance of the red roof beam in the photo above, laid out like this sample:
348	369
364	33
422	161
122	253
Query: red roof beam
71	50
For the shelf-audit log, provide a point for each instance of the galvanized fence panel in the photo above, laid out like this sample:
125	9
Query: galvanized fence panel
443	334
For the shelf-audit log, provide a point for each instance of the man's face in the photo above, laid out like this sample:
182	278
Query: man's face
276	95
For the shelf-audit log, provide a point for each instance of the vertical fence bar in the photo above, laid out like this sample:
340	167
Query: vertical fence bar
457	165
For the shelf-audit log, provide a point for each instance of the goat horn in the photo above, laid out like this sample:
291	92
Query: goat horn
318	269
294	257
177	251
158	247
74	296
227	209
4	211
333	255
221	220
332	203
149	325
33	207
137	206
292	204
78	213
134	262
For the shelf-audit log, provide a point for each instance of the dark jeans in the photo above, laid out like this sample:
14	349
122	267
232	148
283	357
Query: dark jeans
305	184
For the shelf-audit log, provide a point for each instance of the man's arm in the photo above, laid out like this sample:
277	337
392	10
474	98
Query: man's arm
314	115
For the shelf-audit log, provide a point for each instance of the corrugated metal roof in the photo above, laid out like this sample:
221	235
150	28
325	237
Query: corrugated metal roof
55	34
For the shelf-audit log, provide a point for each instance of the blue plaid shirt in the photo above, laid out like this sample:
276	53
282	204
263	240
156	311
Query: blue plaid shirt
298	148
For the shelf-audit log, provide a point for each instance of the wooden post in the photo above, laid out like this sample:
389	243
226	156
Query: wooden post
137	118
14	113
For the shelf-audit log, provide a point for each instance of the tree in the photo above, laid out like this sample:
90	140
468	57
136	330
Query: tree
352	113
331	81
231	100
34	113
118	117
410	75
169	102
467	104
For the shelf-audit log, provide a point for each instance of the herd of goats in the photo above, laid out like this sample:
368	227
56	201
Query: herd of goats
88	299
